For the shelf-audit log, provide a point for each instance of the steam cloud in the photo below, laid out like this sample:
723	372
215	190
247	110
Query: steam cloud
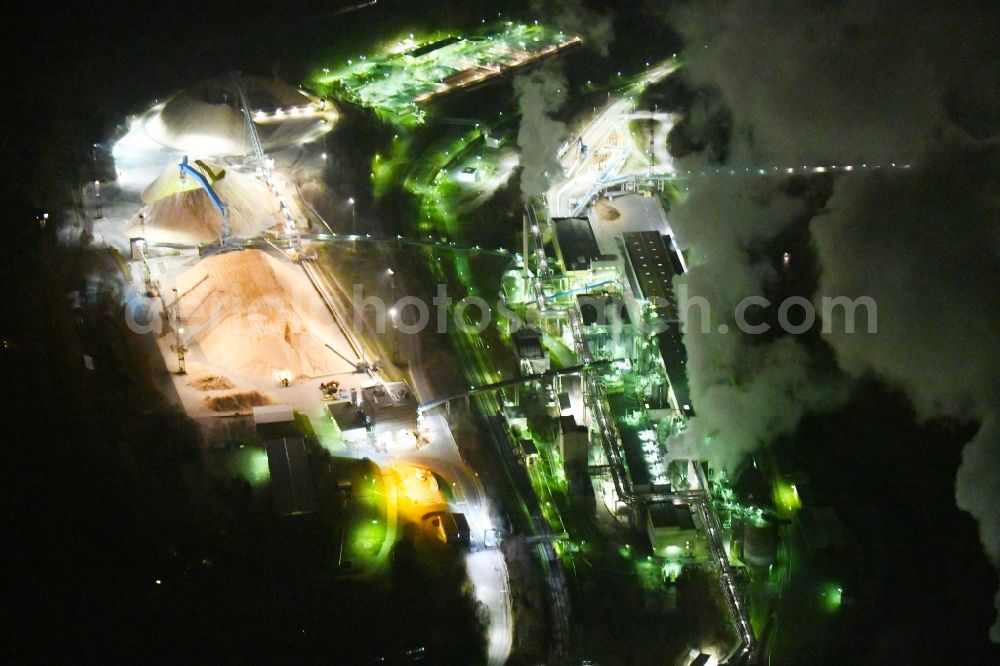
541	92
573	18
746	391
938	296
811	83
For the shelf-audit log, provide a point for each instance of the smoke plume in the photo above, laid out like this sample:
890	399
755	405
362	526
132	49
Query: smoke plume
855	83
541	93
747	390
926	246
572	17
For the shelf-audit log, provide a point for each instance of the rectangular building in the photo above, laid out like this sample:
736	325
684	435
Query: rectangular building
291	480
576	245
652	269
530	353
389	407
350	420
652	265
574	442
671	530
674	355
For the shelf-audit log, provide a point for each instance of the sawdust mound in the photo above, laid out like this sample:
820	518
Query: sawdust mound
234	402
212	108
606	211
257	316
181	212
210	382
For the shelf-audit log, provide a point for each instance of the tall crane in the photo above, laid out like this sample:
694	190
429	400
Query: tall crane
258	149
264	164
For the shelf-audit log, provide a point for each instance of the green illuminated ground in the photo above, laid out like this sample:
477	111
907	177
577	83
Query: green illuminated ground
426	161
248	463
415	69
358	514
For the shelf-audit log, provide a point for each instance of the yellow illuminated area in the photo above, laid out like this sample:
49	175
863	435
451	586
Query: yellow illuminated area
786	497
418	485
423	499
419	492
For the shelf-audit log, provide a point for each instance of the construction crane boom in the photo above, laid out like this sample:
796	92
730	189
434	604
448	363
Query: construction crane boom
258	149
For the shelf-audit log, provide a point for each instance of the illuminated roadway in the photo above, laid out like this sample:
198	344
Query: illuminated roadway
479	369
613	117
556	585
485	565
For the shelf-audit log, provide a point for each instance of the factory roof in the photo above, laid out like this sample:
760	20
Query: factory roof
674	356
568	424
653	270
663	516
576	243
291	480
528	343
391	394
346	415
621	406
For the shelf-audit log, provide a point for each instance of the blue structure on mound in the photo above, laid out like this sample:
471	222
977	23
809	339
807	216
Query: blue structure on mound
207	186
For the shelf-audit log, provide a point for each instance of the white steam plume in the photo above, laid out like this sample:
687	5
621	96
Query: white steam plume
926	246
572	17
857	82
541	92
747	391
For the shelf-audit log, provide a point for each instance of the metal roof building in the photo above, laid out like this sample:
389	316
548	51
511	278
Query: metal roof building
652	267
576	244
389	407
291	481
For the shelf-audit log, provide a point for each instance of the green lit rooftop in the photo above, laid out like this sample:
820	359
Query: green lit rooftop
412	71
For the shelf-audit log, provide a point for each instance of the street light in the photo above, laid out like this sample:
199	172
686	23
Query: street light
97	194
392	292
354	230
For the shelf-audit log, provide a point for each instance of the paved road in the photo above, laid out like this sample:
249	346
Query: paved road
613	117
485	563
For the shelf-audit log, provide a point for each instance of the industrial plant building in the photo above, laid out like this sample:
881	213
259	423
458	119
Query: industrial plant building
389	408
